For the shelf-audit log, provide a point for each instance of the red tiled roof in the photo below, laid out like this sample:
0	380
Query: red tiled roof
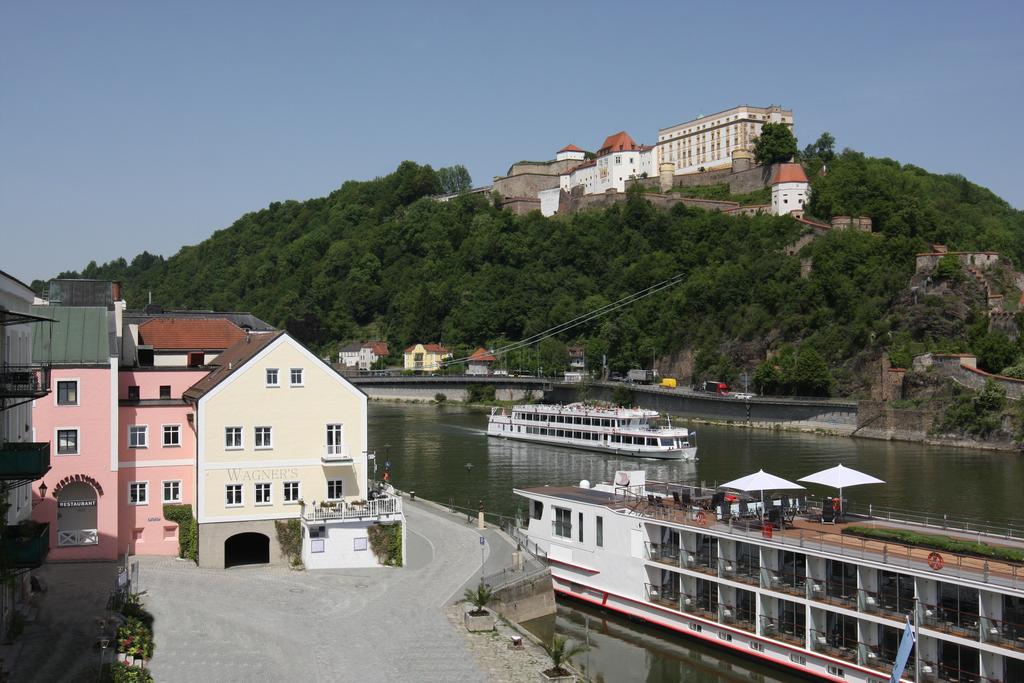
570	148
379	348
620	142
482	355
189	333
789	173
432	348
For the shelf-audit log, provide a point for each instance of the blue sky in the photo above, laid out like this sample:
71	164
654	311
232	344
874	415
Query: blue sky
146	126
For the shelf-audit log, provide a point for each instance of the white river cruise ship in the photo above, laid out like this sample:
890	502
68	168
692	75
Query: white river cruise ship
620	431
799	593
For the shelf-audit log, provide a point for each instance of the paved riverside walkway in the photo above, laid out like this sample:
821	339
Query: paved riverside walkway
261	623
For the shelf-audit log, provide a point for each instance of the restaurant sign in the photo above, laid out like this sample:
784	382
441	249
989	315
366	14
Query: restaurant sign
76	503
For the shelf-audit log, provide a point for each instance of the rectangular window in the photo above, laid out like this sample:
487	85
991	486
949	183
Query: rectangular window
232	437
232	495
165	391
296	377
579	528
599	535
172	492
196	359
263	493
138	493
291	492
138	436
172	436
536	509
272	377
334	489
562	525
133	393
67	393
67	442
262	437
334	439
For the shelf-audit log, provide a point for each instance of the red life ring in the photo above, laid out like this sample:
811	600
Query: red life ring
702	519
935	561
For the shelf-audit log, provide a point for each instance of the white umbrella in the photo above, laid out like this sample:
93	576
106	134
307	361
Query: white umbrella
761	481
840	477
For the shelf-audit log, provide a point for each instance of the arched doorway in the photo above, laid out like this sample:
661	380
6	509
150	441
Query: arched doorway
246	548
76	515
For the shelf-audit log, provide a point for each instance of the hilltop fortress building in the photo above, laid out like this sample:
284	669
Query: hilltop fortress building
709	142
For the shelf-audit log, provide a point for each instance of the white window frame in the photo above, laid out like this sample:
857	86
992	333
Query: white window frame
78	439
291	377
163	491
78	388
341	484
338	446
268	444
145	436
256	493
284	492
277	377
163	436
241	495
143	486
241	438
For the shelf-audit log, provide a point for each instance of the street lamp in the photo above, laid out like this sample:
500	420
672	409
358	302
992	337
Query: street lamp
42	490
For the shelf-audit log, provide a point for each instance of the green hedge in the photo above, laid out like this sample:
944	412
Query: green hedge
937	542
188	529
386	543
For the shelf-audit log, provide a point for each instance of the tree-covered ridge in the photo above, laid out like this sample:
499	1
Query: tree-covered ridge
378	258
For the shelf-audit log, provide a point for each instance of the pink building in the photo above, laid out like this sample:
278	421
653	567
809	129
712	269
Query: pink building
79	419
156	455
123	439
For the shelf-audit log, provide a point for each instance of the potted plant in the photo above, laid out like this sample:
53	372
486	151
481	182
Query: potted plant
479	618
560	653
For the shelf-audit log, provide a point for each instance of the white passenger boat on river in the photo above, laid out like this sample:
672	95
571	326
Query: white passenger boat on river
621	431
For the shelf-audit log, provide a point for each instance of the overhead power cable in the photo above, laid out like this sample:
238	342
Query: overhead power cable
581	319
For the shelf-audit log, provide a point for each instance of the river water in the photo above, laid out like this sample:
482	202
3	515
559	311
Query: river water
442	453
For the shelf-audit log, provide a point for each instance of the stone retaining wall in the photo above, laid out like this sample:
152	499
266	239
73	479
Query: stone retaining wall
526	599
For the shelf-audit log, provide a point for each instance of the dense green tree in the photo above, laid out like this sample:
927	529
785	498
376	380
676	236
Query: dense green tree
823	149
775	143
995	351
810	375
454	179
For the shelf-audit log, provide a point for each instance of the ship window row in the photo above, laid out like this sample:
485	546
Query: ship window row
640	440
567	419
564	433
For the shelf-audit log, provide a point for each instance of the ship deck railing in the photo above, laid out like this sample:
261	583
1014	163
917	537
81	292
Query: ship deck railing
804	534
884	604
737	618
832	592
949	620
744	572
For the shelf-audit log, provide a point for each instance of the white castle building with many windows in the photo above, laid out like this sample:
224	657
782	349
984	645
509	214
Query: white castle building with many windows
709	142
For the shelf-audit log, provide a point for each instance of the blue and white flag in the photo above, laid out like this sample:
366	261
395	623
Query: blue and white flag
903	653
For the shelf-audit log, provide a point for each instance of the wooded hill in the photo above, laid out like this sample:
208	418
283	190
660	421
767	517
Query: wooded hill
379	258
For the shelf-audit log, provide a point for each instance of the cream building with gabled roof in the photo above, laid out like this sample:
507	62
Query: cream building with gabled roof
280	436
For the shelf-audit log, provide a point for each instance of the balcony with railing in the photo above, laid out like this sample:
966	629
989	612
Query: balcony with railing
947	620
384	507
785	631
744	572
835	645
792	583
737	617
663	553
884	604
832	592
24	381
665	596
701	605
1003	633
24	461
25	546
705	563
